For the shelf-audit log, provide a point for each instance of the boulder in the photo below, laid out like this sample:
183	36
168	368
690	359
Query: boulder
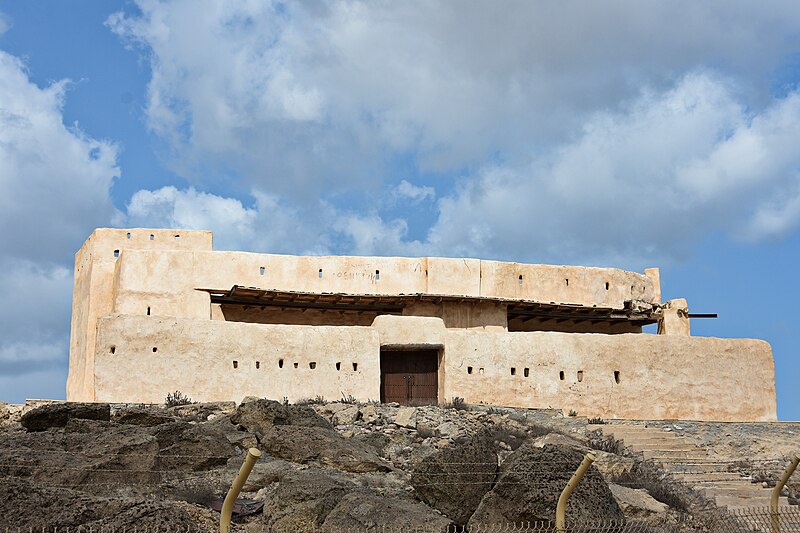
57	414
323	446
637	502
142	417
406	417
260	416
302	501
347	416
455	479
364	510
185	446
530	483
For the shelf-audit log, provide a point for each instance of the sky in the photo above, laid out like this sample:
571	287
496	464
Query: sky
623	134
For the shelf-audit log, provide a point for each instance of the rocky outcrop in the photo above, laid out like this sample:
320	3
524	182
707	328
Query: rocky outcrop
367	511
455	479
57	414
323	446
302	500
530	483
260	416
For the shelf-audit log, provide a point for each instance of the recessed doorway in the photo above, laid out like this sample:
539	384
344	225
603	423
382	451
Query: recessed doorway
410	377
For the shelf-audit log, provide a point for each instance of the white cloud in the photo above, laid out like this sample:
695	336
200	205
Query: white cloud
308	99
54	180
5	23
639	183
54	183
414	193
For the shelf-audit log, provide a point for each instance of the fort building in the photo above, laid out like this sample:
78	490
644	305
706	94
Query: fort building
158	310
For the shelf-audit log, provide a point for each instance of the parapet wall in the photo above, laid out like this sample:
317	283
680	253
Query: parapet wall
611	376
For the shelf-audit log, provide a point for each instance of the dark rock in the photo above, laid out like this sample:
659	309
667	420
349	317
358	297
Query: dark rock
302	501
57	414
191	447
259	416
530	483
366	510
142	417
321	445
454	479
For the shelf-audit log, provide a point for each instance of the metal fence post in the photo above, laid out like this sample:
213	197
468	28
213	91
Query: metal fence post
227	506
561	508
776	493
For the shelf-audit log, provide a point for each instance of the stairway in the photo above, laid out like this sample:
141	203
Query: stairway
690	464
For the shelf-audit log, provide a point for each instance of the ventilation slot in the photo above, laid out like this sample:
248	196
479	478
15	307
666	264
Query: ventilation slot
526	372
258	365
236	364
616	376
580	376
312	365
561	375
480	371
469	370
566	282
520	279
148	310
338	366
152	237
129	235
116	253
296	365
155	349
113	349
607	285
177	237
377	275
355	367
320	273
280	363
513	371
262	270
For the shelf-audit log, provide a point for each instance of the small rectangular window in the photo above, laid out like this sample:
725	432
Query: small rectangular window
296	365
312	365
616	376
258	365
148	310
280	363
480	371
320	273
377	274
561	375
526	372
116	253
469	370
236	364
513	371
177	237
355	367
129	235
338	366
580	376
152	237
262	270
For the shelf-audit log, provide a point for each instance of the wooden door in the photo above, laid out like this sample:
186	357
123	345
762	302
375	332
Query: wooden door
410	376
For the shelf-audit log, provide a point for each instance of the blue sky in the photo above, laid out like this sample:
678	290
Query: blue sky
621	134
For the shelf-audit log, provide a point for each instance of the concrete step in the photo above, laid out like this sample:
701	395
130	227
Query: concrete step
678	467
701	477
672	447
733	502
688	456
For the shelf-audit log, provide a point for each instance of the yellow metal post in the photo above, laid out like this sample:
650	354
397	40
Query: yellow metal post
227	506
776	493
561	509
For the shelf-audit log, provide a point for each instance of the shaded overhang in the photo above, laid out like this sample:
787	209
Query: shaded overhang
394	304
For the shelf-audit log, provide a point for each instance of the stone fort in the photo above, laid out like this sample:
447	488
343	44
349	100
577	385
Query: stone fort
158	310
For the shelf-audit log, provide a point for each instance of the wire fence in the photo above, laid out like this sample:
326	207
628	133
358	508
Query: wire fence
754	520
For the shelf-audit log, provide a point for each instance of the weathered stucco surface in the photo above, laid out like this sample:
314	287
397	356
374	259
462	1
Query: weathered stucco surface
141	328
659	376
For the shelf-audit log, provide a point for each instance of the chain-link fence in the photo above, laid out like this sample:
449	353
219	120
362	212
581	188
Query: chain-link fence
758	520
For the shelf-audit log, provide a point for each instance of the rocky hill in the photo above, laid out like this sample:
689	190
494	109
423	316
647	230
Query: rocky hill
325	466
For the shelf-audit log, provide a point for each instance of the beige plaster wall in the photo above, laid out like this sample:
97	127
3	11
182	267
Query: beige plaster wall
661	377
96	272
196	357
